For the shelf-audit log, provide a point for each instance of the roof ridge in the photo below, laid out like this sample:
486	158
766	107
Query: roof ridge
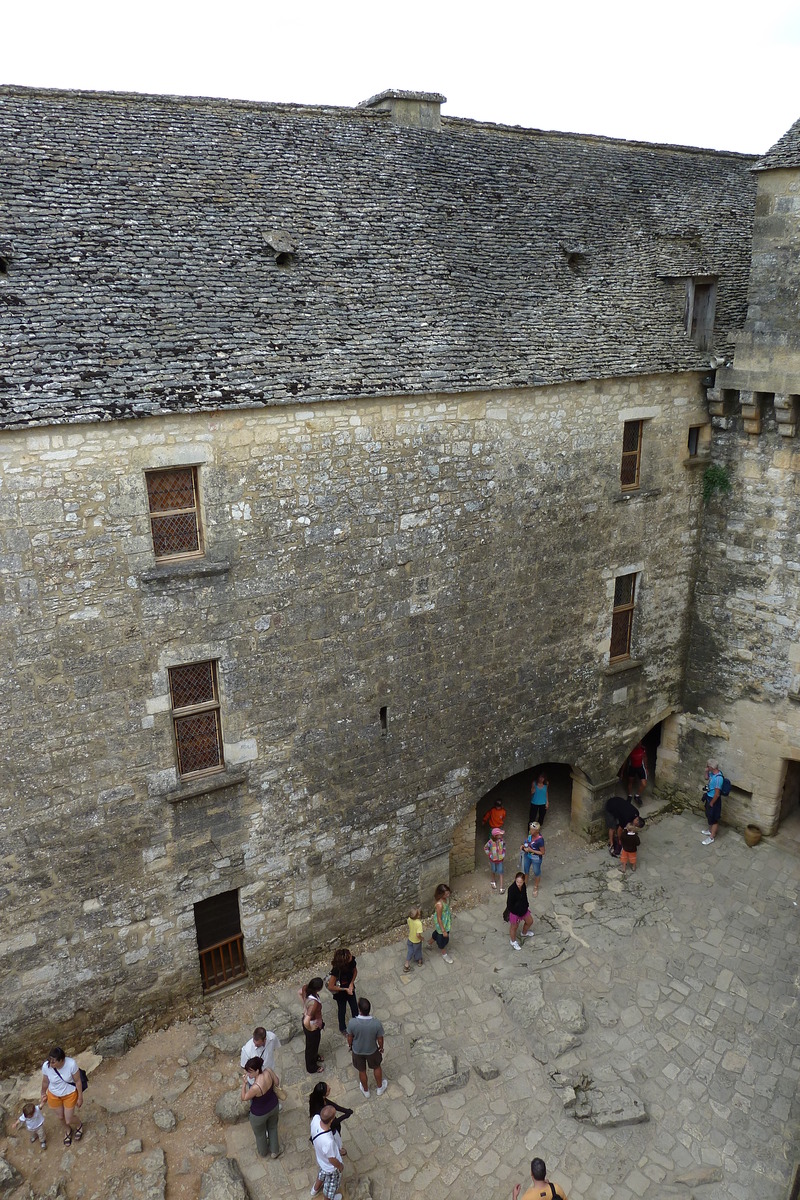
361	111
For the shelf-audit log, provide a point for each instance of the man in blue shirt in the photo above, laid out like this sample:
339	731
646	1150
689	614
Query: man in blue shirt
712	798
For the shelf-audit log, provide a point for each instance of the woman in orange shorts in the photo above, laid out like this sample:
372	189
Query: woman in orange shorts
61	1088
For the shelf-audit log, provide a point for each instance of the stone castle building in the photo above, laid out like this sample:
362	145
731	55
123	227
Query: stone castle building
353	462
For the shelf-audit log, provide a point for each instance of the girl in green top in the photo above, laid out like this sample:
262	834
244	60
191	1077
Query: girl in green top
442	918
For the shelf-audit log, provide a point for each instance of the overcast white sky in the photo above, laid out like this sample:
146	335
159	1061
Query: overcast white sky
721	73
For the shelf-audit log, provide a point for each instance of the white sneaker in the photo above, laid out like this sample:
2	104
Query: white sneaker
364	1091
516	946
705	832
528	934
382	1088
447	958
707	841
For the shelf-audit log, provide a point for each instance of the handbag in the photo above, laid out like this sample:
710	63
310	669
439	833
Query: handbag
279	1091
84	1078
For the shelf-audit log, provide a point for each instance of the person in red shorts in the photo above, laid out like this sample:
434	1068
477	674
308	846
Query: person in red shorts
636	771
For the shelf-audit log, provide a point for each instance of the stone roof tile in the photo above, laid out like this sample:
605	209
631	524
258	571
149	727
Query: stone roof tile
142	279
785	152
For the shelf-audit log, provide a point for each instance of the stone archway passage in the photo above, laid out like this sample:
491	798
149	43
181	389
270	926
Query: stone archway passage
513	794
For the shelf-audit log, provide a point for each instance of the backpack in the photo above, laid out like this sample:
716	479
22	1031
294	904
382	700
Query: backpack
725	790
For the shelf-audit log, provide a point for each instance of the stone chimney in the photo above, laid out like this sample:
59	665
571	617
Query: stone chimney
416	110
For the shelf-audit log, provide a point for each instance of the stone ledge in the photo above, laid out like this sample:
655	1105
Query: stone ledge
211	783
795	696
697	460
628	664
637	494
193	568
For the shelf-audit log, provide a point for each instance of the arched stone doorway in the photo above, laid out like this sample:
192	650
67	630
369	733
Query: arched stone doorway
652	744
512	794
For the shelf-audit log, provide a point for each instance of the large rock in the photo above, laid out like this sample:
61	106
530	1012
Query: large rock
114	1045
164	1119
223	1181
230	1109
124	1099
523	995
10	1177
697	1176
361	1189
229	1043
284	1023
435	1070
485	1070
607	1106
147	1182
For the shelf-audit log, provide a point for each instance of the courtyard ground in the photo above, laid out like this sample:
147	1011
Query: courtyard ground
666	1000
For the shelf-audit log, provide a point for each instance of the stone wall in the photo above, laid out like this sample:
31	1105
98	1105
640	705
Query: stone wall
451	559
743	671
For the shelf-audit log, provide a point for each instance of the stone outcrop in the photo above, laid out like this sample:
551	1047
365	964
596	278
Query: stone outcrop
435	1070
224	1181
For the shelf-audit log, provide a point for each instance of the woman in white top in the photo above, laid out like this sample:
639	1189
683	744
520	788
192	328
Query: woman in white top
62	1089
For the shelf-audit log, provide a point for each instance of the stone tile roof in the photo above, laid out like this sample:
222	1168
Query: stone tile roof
785	152
140	235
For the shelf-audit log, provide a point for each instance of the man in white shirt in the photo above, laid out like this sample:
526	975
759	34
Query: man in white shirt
263	1045
328	1152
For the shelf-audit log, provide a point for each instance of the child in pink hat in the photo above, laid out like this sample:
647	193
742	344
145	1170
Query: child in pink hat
495	850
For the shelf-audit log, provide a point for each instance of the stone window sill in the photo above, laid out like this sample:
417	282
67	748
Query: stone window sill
697	460
193	568
206	785
795	696
627	664
636	494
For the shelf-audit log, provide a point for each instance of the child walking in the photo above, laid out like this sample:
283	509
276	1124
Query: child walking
495	849
630	842
442	920
414	942
33	1118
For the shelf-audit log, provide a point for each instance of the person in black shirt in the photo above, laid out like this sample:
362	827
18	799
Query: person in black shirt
318	1097
342	984
620	812
518	910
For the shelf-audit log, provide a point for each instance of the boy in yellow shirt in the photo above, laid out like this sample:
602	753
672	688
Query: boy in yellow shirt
414	944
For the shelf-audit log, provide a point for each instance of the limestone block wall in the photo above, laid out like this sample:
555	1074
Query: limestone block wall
743	675
768	348
448	559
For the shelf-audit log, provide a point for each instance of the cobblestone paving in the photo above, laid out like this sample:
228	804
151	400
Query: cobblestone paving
674	989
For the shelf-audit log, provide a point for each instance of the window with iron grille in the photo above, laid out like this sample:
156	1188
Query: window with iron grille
174	512
631	454
622	617
195	717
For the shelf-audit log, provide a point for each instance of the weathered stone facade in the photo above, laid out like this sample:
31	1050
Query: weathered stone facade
422	555
743	671
407	439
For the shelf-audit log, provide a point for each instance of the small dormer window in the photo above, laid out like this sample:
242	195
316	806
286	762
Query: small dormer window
701	303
